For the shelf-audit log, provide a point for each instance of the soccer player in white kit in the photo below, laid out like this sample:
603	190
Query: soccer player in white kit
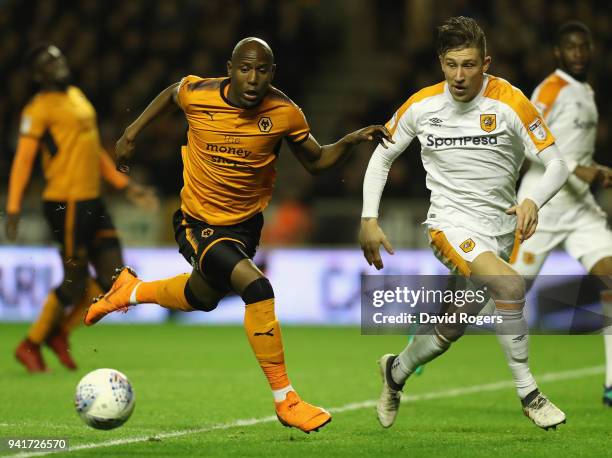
572	219
473	129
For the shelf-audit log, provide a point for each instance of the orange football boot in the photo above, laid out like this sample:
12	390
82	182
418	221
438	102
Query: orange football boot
58	342
28	353
118	298
293	412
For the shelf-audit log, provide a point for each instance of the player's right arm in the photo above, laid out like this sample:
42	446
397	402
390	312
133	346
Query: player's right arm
371	236
21	171
166	101
33	126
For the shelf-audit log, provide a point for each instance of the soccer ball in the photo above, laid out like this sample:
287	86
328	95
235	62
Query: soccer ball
104	399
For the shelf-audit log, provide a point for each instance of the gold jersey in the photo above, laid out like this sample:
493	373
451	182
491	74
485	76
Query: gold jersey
65	125
229	159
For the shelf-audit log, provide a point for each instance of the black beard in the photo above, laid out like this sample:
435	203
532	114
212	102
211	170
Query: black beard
577	76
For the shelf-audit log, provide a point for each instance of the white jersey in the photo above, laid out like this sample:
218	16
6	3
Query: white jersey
568	106
472	152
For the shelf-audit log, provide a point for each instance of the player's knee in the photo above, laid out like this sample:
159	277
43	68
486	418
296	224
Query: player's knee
72	290
510	288
200	302
257	291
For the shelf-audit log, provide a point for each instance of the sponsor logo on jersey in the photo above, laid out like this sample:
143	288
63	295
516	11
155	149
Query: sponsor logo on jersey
265	124
477	140
537	129
240	152
207	232
488	122
578	124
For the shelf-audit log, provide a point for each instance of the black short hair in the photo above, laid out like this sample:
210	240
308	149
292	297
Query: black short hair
571	27
458	33
33	53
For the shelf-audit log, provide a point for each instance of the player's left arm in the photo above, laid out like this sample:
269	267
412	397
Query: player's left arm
140	195
316	158
552	181
537	138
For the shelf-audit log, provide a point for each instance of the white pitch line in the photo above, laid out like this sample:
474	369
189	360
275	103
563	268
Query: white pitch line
455	392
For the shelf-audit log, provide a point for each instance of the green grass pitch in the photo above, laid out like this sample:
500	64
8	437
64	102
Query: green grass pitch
197	387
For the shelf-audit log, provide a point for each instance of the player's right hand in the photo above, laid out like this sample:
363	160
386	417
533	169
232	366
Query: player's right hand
526	218
11	226
371	237
124	149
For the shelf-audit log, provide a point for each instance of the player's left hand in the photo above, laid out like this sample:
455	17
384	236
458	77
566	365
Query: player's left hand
377	133
11	226
605	176
142	196
526	218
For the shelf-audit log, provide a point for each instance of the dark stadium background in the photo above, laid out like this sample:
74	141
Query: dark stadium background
347	63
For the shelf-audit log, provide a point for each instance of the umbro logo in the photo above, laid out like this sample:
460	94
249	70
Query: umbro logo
435	121
520	338
209	114
267	333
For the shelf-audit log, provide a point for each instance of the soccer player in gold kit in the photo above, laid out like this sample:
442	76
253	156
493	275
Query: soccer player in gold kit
61	122
236	126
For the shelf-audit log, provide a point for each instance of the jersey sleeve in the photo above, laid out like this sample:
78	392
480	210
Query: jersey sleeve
299	130
547	98
184	92
528	124
403	128
33	121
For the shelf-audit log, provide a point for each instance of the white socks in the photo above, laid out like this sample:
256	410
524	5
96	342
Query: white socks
513	336
423	349
281	395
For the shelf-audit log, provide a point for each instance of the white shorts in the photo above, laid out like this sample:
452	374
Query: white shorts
589	243
456	246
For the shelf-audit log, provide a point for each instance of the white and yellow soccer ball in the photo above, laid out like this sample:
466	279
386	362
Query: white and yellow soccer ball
104	399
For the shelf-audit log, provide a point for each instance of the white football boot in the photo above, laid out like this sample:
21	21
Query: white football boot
544	413
389	400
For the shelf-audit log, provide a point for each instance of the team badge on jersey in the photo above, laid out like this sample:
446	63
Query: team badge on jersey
528	257
467	246
488	122
265	124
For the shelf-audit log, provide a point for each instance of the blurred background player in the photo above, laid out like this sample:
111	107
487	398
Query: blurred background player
236	126
60	121
473	129
572	219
